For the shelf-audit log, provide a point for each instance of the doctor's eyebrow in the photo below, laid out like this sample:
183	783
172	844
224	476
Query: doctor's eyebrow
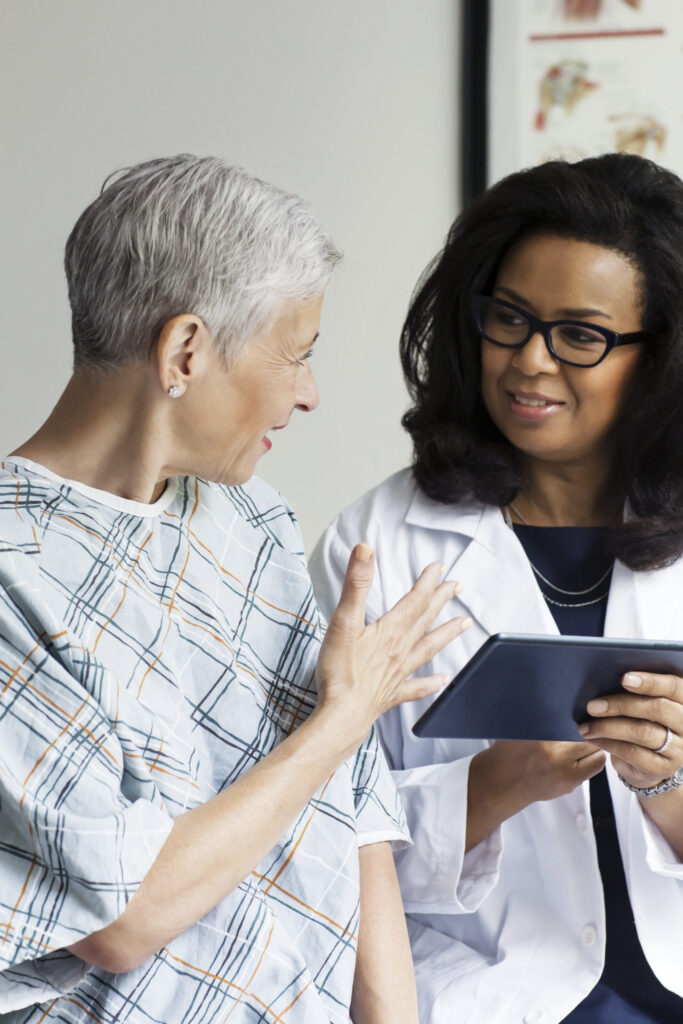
570	312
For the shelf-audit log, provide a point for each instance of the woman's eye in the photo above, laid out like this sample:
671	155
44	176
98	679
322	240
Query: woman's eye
508	319
305	358
578	336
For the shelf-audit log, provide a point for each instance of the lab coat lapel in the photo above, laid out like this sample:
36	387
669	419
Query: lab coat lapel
646	605
501	592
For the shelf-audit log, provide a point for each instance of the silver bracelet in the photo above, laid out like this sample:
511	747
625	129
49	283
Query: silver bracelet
673	782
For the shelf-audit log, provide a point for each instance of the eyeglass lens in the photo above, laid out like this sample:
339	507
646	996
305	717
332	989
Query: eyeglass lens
575	343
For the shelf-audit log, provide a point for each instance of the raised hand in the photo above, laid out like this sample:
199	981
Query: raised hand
363	669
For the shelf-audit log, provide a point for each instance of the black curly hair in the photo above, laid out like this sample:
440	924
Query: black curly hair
619	201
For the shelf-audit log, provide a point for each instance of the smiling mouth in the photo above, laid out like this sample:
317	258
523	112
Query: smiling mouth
533	402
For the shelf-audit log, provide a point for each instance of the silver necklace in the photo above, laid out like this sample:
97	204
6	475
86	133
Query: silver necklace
560	590
574	604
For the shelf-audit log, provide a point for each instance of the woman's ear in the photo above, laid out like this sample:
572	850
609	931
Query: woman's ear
182	352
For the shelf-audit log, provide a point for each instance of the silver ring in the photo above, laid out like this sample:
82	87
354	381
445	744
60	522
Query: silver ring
667	741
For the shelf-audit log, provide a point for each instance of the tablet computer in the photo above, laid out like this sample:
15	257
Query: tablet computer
524	687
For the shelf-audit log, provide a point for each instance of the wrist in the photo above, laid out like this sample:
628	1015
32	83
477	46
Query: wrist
339	731
656	788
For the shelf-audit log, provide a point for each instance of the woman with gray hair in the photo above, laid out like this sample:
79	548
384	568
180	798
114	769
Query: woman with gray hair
191	808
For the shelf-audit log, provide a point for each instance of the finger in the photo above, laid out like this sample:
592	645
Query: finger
642	759
626	705
417	688
641	732
590	765
655	684
416	602
415	630
427	647
349	615
562	750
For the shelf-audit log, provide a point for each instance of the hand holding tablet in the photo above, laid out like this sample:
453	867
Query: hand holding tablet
529	687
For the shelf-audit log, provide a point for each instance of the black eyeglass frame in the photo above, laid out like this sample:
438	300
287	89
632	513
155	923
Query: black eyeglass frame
612	338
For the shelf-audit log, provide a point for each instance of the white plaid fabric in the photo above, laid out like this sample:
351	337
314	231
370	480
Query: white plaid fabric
149	655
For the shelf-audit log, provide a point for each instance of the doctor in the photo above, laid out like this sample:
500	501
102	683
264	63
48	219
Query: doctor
544	355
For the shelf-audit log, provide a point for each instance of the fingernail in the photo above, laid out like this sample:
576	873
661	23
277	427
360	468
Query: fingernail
633	680
363	552
466	623
459	587
596	706
442	568
584	729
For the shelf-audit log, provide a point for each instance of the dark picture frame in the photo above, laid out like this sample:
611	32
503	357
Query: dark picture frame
474	90
539	84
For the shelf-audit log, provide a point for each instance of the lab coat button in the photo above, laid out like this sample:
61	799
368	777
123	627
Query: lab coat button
582	822
589	935
533	1017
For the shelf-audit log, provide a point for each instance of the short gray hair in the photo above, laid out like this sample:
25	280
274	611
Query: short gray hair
188	234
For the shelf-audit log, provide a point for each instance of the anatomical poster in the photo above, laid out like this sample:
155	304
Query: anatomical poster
574	78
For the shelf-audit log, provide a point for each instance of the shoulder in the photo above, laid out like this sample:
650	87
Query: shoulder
396	510
261	508
382	509
25	498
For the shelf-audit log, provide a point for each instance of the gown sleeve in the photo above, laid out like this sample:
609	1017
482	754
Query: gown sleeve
74	844
435	872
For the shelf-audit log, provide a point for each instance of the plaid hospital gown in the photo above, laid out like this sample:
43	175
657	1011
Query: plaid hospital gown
149	655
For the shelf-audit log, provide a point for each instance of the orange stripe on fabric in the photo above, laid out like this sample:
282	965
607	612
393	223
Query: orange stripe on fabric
218	977
16	498
52	703
154	767
123	597
318	913
175	591
303	833
155	660
49	747
17	670
92	533
252	976
216	637
251	593
297	716
85	1009
46	1012
21	896
279	1019
187	557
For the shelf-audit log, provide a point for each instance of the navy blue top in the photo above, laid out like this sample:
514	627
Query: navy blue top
628	992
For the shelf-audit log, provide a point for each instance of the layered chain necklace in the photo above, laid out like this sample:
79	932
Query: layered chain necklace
559	590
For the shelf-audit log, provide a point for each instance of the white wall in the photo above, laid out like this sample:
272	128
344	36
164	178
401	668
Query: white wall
352	103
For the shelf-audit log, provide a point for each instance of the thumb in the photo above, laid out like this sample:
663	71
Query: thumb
350	612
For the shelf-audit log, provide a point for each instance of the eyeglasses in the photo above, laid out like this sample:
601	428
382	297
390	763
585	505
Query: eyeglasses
569	341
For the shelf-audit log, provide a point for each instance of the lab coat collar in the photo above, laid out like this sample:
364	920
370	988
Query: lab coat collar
646	605
500	592
435	515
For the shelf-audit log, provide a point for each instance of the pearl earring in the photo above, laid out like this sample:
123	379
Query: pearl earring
174	391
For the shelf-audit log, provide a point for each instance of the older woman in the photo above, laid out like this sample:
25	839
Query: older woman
180	812
544	353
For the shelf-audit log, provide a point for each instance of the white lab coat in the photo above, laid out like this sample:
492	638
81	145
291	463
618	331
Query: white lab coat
514	930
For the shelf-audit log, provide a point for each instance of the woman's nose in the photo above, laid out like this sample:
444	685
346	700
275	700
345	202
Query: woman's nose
534	357
306	389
